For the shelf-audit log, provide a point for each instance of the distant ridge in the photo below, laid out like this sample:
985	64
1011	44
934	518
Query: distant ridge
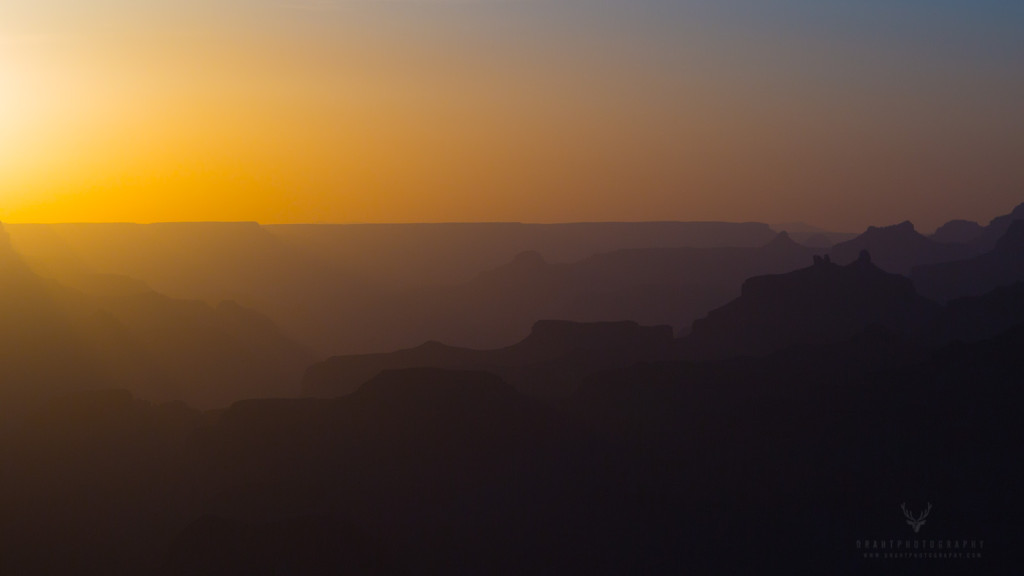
959	232
1002	266
981	238
90	331
825	302
998	228
568	349
898	248
809	235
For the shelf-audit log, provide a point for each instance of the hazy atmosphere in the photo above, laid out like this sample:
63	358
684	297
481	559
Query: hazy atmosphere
839	113
511	287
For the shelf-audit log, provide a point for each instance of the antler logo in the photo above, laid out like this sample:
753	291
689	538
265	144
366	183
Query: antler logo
914	521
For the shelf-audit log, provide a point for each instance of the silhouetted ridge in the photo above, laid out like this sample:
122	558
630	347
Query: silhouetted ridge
114	332
1002	266
958	232
344	289
782	242
548	362
825	302
741	466
903	228
898	248
996	229
1011	245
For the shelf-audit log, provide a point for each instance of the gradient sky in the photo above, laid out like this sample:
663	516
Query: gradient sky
841	113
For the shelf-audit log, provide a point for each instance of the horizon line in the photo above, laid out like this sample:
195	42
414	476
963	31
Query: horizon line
409	223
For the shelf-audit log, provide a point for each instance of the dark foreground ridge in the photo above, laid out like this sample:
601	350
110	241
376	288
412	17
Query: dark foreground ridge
746	465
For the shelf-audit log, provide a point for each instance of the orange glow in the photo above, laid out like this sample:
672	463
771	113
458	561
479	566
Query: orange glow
398	124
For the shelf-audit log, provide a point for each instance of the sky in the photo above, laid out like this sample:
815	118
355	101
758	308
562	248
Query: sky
839	113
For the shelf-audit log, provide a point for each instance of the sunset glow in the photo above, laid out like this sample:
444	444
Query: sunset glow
462	287
524	111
